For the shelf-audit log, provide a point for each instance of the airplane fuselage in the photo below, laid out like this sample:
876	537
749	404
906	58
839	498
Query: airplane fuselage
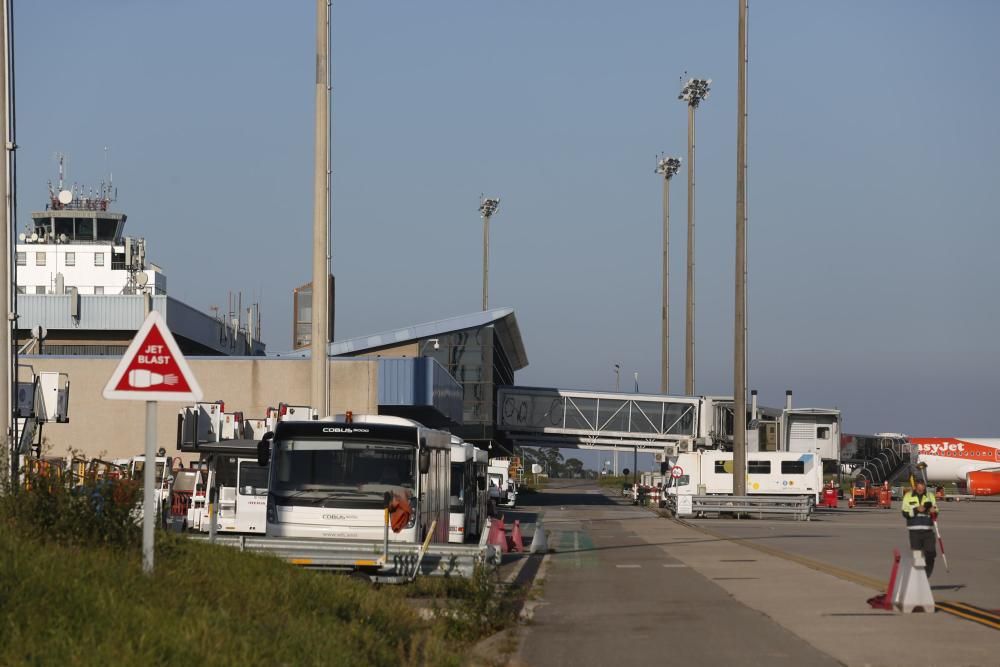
952	459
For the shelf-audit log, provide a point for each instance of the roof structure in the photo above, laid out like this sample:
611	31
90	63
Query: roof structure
502	319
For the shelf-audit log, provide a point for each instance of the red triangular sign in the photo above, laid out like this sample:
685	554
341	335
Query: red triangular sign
153	368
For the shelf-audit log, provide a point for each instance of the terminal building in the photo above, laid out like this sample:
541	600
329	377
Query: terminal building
481	351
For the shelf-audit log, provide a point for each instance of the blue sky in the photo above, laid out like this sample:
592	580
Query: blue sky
873	159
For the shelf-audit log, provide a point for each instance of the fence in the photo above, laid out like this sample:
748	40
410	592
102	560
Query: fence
790	507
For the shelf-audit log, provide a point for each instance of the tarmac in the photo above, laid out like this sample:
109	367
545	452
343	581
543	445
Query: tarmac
624	584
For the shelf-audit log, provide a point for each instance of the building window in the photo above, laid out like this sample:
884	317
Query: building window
22	258
823	433
99	290
793	467
40	289
71	259
98	259
39	259
21	289
759	467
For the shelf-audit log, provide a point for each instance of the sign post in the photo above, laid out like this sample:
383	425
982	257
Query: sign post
152	369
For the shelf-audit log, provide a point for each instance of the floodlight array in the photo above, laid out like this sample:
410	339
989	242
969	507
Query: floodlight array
488	207
695	90
668	166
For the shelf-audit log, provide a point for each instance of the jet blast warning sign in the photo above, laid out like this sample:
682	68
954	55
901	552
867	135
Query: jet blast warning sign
153	368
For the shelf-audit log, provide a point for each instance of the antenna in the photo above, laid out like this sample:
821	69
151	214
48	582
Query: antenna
62	168
107	167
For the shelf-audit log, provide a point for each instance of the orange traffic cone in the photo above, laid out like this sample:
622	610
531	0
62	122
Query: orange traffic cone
516	538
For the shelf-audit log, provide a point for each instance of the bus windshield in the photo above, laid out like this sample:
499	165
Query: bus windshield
342	467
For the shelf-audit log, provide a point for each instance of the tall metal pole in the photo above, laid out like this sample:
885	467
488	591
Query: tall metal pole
486	262
6	224
487	207
689	311
694	91
740	332
320	397
668	167
665	306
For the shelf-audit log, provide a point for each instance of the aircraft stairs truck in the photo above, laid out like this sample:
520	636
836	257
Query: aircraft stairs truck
42	398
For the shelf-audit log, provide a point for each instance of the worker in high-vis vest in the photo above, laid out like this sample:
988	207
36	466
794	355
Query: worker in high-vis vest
920	510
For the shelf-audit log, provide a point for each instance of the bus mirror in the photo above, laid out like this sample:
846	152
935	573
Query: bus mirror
264	450
425	461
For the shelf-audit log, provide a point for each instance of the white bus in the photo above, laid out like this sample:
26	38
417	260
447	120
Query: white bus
330	479
768	473
468	498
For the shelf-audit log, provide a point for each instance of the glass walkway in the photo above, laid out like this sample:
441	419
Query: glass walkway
538	417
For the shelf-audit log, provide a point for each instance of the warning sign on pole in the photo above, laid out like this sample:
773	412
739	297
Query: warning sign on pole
676	472
153	368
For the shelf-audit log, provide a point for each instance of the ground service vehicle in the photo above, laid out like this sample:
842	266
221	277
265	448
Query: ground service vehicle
502	487
241	488
334	478
468	498
768	473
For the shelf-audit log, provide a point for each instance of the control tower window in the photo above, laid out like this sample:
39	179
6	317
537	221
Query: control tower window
106	229
98	259
39	259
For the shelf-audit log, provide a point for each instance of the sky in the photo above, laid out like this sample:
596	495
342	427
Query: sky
873	145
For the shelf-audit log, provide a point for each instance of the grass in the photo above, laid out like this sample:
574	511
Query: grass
615	481
205	605
69	601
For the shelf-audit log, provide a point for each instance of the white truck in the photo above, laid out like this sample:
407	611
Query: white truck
468	498
768	473
502	487
241	496
331	478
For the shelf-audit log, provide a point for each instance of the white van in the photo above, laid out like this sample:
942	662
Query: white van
502	487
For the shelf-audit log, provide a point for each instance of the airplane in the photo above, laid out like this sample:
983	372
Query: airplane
974	462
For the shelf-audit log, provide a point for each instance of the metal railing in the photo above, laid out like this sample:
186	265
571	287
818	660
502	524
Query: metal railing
404	562
791	507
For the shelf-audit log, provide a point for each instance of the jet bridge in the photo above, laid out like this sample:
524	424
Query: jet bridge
539	417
